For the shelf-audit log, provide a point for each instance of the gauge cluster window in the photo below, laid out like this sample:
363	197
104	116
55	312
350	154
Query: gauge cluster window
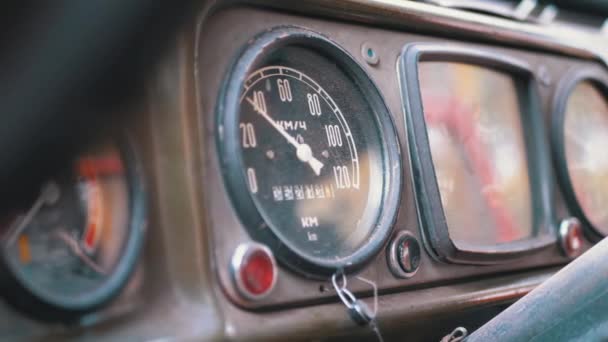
476	139
478	153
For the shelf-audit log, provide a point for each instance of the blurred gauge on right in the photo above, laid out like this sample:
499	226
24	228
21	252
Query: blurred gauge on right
580	133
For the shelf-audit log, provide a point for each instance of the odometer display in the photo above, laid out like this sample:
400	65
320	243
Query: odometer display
309	138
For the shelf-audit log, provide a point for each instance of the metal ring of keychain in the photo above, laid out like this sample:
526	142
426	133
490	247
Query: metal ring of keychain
358	311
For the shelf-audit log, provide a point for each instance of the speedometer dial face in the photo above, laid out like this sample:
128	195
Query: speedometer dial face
303	159
312	150
585	138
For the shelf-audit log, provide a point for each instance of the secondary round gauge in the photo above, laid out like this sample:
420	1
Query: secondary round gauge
310	153
581	134
71	246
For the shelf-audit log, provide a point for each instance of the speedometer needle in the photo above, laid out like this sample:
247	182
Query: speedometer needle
303	151
77	250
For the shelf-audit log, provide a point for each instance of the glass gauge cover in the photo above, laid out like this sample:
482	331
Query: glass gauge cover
72	246
582	137
479	160
311	153
478	151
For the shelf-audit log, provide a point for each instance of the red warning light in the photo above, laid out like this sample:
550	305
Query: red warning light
255	271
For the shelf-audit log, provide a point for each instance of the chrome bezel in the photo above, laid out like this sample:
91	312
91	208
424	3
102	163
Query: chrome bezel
393	250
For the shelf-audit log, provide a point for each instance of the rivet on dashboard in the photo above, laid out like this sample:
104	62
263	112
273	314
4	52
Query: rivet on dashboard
369	53
254	270
543	76
404	255
571	237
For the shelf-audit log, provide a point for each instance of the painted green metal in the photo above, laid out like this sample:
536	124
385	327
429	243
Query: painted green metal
571	305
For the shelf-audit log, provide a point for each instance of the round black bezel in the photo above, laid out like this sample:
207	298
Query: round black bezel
228	111
67	310
599	79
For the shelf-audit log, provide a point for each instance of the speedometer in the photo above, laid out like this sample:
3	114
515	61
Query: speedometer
310	153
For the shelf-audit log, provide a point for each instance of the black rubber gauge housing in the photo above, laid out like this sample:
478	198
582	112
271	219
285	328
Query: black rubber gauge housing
588	122
309	152
439	239
70	246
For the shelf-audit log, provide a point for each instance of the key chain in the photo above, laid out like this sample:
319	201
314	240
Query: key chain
358	311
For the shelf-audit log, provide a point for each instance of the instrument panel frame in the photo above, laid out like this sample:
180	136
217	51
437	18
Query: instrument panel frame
599	78
428	200
214	58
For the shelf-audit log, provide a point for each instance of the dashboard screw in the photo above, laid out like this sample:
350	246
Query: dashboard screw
543	76
369	53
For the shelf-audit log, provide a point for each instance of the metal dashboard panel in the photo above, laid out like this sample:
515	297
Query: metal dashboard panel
190	216
220	44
